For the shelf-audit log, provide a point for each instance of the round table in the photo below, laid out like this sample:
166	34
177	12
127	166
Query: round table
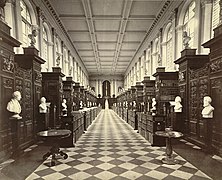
169	159
53	137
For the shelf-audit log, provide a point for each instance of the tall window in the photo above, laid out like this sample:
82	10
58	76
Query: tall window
149	69
189	24
26	23
156	58
169	51
64	60
216	14
45	44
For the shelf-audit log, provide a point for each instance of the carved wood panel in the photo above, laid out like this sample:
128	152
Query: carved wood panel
23	83
198	89
216	92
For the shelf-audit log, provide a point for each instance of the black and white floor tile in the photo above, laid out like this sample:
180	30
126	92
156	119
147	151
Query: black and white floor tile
111	149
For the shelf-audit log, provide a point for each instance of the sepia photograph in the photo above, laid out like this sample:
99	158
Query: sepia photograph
110	89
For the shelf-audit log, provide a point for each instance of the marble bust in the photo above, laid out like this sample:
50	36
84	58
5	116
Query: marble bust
80	104
178	106
64	107
42	105
14	106
207	112
153	110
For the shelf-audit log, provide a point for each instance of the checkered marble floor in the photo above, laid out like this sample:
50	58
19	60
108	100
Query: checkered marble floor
111	149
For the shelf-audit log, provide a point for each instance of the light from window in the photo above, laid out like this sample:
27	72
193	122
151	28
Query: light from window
216	14
26	24
169	51
189	22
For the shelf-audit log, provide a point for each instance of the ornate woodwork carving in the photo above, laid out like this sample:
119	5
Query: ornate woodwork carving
7	83
199	88
8	64
216	65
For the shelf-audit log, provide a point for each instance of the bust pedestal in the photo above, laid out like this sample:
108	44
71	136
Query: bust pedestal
14	134
208	131
177	121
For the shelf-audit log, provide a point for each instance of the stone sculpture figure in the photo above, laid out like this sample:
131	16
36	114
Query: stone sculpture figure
43	105
178	106
153	110
186	40
14	106
80	104
207	112
64	107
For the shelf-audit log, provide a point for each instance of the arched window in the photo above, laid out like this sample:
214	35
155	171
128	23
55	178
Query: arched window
188	22
45	44
65	56
58	60
26	24
215	14
156	56
149	65
169	50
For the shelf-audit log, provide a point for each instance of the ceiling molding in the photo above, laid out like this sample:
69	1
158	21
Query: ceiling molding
88	14
122	29
53	12
158	17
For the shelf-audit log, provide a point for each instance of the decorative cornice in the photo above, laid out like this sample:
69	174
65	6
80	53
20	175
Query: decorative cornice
155	22
204	2
11	1
51	9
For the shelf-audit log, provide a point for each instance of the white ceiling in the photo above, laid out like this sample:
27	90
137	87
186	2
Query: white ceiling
107	33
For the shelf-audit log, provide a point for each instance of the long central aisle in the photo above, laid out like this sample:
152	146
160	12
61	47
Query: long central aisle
111	149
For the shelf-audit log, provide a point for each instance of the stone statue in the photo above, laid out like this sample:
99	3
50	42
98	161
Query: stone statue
43	105
58	59
186	40
178	106
64	107
2	12
80	104
32	36
207	112
14	106
153	110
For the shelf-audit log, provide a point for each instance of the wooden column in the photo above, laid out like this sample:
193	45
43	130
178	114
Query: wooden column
68	94
215	71
76	97
52	89
193	85
30	60
148	93
7	67
166	89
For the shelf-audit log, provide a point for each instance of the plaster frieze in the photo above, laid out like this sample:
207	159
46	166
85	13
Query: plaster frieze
204	2
179	28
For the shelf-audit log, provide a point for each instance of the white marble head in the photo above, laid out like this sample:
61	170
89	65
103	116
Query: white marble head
17	95
207	111
178	106
207	101
178	99
64	100
43	100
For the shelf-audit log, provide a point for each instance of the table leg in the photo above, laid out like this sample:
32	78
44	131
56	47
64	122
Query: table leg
169	151
45	156
53	161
